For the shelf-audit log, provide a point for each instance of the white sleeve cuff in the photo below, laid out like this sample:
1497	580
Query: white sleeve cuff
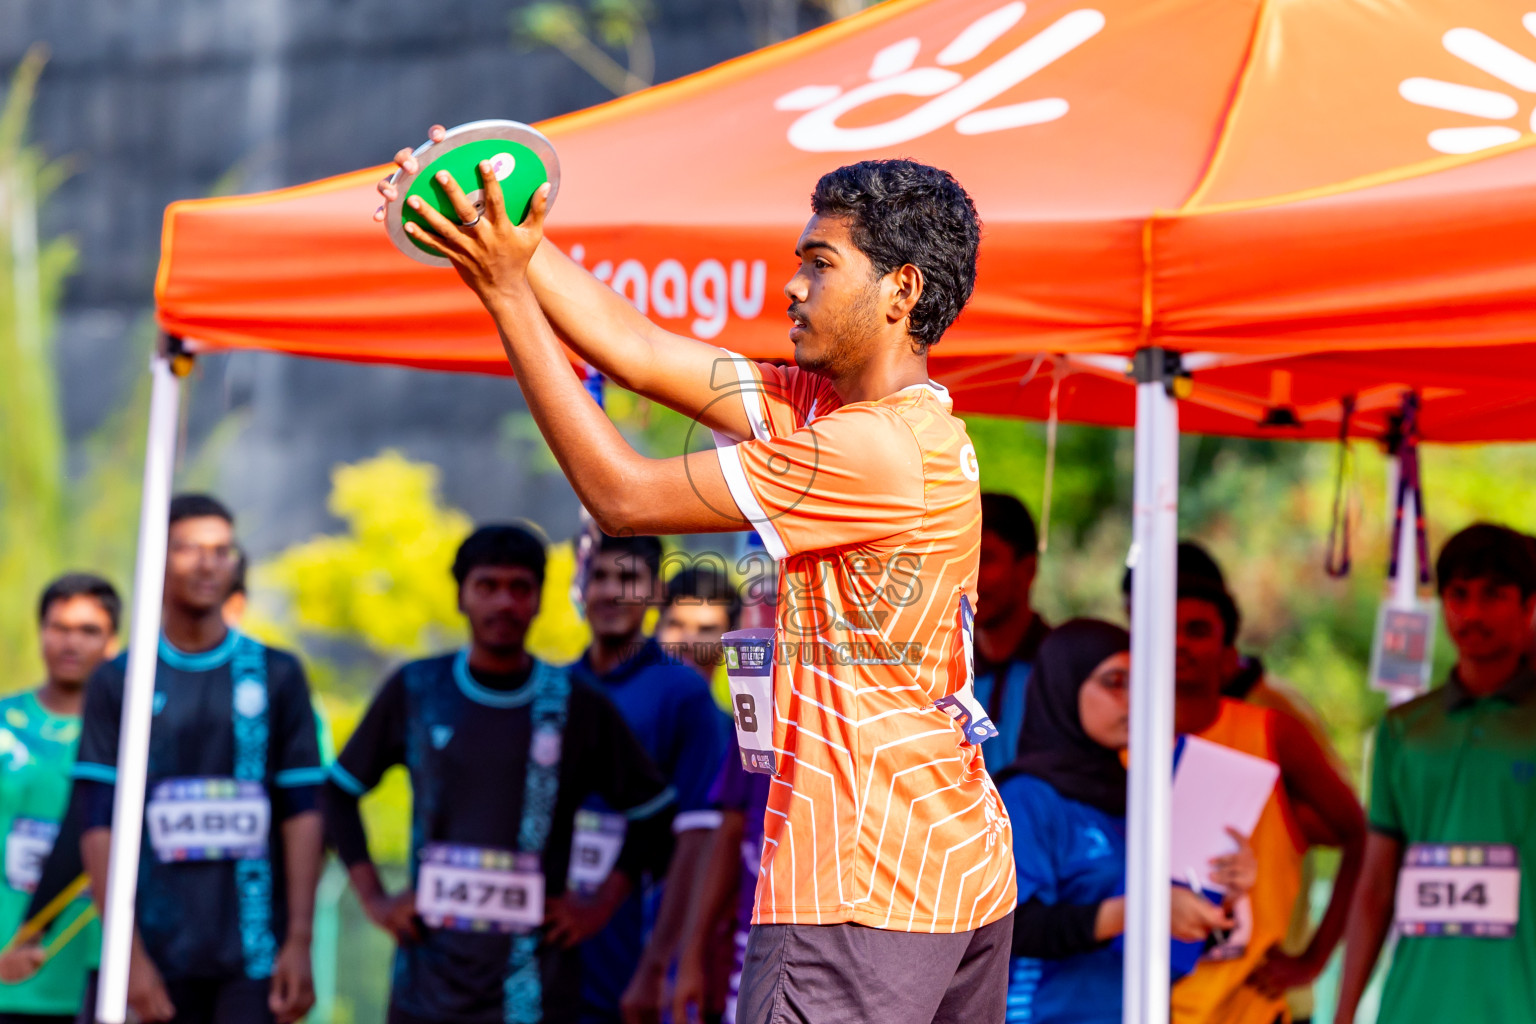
692	821
746	501
751	391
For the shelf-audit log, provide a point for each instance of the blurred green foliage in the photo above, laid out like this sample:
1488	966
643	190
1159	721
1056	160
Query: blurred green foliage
587	32
51	520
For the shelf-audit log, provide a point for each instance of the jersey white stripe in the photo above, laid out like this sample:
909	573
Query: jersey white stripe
747	503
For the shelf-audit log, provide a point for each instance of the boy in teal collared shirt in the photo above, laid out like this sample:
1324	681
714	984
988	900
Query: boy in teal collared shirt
1453	810
39	733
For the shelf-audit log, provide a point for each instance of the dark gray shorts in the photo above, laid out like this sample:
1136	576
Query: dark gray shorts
850	974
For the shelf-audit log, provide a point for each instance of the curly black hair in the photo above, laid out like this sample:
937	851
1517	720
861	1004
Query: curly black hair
906	212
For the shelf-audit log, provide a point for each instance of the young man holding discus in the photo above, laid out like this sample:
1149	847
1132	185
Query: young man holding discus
887	879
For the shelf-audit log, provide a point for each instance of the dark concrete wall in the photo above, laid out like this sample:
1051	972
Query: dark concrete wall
158	100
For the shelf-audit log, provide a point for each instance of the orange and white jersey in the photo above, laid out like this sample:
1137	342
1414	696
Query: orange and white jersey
882	813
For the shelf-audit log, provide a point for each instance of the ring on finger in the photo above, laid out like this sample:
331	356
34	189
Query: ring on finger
472	223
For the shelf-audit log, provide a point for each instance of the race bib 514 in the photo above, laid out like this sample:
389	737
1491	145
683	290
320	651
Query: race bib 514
1459	889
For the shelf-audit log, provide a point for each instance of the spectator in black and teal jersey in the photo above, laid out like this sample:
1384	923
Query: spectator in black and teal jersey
232	837
78	619
1453	810
502	750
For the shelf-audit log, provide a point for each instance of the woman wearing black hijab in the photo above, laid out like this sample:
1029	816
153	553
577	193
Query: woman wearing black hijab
1066	798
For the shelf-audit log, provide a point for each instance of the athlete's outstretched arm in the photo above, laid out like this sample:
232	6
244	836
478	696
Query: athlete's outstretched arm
602	328
621	488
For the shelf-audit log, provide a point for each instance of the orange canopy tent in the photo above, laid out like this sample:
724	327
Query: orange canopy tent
1306	200
1321	198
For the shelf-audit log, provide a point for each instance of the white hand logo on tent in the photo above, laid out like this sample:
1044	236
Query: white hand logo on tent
956	97
1488	55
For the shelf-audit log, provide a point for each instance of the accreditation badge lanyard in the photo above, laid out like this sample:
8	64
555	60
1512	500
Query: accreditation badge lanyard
1410	481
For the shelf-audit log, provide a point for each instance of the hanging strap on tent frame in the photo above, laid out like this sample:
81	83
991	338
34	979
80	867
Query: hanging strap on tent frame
1337	562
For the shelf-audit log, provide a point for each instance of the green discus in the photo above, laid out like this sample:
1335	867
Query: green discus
521	157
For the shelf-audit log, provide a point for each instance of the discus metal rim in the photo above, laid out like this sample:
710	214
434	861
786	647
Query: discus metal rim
429	152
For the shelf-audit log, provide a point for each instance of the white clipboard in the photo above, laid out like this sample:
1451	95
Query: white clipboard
1214	788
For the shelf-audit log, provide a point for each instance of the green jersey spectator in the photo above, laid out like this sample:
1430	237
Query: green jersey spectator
39	733
1453	810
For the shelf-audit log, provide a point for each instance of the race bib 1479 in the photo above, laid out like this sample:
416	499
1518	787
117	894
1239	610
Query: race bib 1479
1459	889
208	819
478	889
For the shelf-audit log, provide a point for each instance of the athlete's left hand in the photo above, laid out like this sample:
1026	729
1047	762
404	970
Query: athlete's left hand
1279	972
293	983
489	250
570	920
642	999
1236	872
19	964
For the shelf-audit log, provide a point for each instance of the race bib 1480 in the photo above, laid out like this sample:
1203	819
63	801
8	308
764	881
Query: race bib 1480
208	819
1459	889
478	889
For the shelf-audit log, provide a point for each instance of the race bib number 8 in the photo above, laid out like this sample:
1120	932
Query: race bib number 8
475	889
595	846
208	819
749	667
1459	889
26	849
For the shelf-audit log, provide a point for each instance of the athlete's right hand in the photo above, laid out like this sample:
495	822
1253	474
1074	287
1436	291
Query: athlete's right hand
395	914
147	996
1194	917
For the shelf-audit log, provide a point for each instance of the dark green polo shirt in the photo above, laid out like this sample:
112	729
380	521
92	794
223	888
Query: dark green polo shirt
1450	768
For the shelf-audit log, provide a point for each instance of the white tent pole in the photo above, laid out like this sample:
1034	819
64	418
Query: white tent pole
138	694
1153	594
